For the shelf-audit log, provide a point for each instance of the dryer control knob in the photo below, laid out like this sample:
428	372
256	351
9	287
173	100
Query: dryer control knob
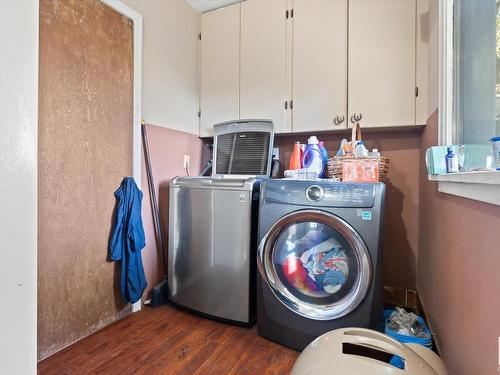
314	193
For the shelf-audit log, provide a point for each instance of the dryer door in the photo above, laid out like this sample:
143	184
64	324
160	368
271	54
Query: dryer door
316	264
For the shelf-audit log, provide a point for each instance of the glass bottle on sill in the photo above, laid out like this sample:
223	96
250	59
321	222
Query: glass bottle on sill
451	161
461	158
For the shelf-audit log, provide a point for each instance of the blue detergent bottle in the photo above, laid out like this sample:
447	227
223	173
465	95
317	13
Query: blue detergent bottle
313	159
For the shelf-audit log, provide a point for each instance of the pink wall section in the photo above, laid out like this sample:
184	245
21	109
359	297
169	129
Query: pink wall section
400	241
458	273
167	148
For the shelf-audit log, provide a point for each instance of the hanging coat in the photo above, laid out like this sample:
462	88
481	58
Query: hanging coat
128	239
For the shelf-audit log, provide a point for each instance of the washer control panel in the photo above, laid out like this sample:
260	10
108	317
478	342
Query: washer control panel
321	194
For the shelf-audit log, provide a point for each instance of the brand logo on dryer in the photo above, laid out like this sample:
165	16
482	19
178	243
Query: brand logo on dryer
366	215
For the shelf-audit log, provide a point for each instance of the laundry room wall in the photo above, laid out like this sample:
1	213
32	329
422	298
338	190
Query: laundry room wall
170	77
400	240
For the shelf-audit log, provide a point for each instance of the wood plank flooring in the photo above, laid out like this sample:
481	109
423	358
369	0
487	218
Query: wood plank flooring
170	341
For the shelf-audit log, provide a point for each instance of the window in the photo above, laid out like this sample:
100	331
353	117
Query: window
469	89
473	70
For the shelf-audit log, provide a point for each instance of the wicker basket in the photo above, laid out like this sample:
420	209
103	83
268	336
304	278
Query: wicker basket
335	167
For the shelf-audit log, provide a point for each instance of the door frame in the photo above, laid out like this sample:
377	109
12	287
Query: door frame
136	18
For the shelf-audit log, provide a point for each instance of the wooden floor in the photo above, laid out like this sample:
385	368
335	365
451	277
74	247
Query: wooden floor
169	341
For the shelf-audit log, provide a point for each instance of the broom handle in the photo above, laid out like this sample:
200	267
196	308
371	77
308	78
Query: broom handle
152	193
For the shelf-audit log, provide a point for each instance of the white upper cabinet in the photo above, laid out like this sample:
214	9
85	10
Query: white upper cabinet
382	62
313	65
220	67
319	65
263	74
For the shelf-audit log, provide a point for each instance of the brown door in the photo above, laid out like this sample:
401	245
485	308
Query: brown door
85	149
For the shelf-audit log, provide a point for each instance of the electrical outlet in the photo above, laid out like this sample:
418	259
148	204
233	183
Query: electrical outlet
187	161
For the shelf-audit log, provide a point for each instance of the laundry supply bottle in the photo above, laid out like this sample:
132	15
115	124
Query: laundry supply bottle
374	153
360	149
451	161
341	150
324	152
296	157
313	159
302	150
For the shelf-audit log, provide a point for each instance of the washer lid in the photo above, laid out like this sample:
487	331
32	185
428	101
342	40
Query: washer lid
199	182
316	264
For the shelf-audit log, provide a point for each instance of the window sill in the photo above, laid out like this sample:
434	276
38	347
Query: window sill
480	186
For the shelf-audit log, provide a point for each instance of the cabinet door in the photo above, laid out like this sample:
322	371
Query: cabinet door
220	65
319	64
263	81
382	62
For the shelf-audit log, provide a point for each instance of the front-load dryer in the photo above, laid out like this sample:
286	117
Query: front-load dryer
319	259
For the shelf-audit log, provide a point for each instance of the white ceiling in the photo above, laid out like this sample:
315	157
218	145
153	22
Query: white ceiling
206	5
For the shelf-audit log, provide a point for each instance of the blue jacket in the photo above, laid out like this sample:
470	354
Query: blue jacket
128	239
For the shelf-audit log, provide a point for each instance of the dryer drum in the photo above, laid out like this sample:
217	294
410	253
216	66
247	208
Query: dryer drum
316	264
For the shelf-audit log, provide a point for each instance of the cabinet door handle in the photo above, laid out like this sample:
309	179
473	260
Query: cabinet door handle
338	120
356	117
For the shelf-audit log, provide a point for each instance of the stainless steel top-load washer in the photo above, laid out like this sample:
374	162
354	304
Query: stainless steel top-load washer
319	258
213	225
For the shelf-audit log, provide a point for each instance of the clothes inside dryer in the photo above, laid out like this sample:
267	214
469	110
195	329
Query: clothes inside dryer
314	262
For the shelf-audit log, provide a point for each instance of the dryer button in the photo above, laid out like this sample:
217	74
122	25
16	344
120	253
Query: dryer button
314	193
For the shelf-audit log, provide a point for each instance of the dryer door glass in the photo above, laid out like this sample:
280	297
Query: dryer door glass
316	264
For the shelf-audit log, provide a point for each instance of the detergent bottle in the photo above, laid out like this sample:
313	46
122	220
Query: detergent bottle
313	160
302	150
324	153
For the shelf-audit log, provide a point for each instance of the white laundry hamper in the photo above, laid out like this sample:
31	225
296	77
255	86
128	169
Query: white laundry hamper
326	355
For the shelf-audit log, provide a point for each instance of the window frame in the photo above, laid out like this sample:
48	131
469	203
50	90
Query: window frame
447	122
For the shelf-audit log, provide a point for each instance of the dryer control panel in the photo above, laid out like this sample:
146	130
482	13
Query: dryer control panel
322	193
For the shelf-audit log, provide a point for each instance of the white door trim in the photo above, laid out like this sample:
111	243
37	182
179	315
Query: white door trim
136	18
